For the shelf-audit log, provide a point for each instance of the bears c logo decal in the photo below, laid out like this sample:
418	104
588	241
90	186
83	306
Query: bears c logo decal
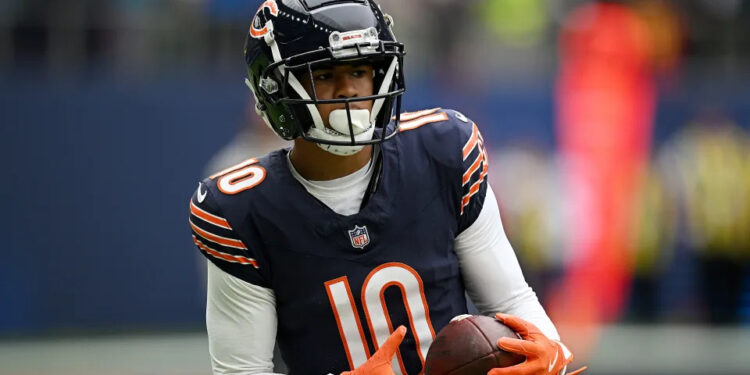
255	28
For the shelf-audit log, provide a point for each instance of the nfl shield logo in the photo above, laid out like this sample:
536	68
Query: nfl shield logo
359	236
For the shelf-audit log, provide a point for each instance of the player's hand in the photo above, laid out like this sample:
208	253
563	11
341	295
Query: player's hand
380	362
543	356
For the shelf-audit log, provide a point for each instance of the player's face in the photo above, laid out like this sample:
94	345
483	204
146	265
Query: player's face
339	82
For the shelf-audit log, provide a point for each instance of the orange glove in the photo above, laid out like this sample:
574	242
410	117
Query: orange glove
543	356
380	362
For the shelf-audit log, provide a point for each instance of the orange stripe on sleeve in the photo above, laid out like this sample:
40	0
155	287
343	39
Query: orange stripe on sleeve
486	164
229	242
474	167
467	198
474	189
225	256
208	217
472	142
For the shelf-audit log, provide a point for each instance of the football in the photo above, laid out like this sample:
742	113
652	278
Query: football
468	346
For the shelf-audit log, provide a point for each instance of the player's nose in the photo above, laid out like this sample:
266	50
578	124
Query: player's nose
345	86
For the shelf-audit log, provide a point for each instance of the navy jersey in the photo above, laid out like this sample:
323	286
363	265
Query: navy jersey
343	283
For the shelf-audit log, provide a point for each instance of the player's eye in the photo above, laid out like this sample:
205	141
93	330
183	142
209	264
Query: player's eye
322	76
358	73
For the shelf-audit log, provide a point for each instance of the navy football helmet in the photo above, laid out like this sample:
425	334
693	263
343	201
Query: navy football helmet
288	39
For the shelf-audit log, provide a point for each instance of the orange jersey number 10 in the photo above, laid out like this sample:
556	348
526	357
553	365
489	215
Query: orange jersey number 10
347	318
241	177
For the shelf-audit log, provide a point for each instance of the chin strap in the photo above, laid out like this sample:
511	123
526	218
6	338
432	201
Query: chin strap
372	186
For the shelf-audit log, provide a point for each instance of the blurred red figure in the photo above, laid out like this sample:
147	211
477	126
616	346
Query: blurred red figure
605	106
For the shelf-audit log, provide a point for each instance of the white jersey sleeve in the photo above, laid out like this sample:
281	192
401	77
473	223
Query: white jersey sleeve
241	325
491	272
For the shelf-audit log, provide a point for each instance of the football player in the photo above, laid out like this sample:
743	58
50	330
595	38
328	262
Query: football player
356	245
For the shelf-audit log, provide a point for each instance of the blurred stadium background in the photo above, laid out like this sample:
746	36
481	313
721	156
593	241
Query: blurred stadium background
619	150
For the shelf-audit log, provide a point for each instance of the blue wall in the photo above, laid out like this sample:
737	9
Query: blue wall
98	172
94	194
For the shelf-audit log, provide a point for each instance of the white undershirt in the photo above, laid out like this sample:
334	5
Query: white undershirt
241	317
343	195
